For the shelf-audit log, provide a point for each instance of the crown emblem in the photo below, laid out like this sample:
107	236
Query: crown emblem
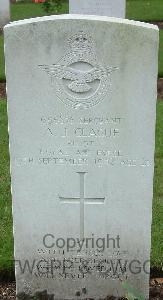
80	42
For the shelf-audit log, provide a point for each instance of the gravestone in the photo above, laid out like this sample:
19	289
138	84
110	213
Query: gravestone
4	12
81	109
110	8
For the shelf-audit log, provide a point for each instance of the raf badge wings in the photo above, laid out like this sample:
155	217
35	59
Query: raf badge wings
78	79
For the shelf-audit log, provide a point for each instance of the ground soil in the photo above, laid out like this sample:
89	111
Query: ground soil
7	290
159	24
160	88
2	90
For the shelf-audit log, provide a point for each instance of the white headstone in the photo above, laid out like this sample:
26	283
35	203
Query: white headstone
81	105
4	12
110	8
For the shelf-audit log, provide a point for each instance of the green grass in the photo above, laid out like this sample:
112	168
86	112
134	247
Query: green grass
31	10
2	61
157	227
145	10
6	239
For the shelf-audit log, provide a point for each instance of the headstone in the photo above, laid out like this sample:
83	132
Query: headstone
110	8
4	12
81	110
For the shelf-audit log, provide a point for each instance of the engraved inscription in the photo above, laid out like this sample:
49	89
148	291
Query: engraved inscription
79	142
82	200
79	80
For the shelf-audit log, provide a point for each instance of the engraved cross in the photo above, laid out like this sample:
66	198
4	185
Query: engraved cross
82	200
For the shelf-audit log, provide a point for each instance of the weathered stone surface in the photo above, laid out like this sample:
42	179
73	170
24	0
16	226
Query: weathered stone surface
110	8
81	105
4	12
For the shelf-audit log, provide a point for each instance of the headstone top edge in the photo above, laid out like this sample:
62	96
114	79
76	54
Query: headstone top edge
81	17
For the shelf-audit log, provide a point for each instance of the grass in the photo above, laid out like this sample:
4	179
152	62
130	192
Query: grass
157	226
145	10
6	239
31	10
2	61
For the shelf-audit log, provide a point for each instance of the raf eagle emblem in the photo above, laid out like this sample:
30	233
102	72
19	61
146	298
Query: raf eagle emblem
79	80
